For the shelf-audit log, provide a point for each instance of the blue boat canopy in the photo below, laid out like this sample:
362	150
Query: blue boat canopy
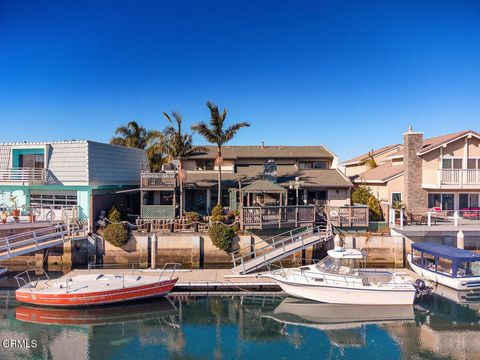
446	252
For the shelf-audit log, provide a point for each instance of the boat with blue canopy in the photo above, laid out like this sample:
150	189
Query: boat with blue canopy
446	265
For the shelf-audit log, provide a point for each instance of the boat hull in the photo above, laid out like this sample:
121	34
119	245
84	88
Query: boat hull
344	295
454	283
132	293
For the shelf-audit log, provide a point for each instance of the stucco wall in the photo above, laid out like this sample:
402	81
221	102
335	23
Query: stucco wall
342	198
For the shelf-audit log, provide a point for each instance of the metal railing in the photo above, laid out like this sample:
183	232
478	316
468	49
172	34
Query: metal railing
401	218
24	175
36	213
20	278
459	176
239	257
158	180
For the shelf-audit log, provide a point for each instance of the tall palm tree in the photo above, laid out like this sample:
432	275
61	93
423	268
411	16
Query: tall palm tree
135	136
217	134
179	146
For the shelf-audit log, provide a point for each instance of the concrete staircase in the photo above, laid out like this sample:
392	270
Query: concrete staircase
277	247
44	238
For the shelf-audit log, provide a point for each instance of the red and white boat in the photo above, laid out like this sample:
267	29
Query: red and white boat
93	288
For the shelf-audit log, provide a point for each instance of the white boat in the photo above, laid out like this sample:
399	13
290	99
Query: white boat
342	278
446	265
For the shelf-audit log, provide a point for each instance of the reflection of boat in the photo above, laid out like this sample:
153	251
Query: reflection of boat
467	298
93	289
446	265
342	278
338	316
3	270
96	315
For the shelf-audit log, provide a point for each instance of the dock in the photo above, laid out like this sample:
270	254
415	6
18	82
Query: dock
213	280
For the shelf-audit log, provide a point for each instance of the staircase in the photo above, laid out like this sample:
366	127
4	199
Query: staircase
44	238
276	248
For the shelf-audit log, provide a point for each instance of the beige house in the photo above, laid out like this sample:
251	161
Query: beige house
440	172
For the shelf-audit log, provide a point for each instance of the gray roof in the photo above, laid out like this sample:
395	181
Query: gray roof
313	178
266	152
264	186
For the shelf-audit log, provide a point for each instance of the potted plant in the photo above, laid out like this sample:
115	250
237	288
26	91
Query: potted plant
3	216
32	217
16	210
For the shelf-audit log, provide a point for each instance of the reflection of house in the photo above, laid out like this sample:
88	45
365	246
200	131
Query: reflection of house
243	167
441	172
67	174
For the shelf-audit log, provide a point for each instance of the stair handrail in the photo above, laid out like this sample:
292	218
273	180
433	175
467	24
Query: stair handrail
308	230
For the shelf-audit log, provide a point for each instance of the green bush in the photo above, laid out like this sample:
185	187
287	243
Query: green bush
221	236
363	195
114	215
217	213
193	216
116	234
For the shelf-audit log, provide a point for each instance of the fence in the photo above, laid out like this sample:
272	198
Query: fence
348	216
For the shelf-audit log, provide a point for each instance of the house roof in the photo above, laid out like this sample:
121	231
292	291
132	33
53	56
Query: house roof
264	186
271	152
433	143
381	173
312	178
365	156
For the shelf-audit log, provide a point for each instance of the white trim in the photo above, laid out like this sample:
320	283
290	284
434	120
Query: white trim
360	180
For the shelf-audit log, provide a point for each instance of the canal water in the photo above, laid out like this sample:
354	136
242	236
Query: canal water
247	326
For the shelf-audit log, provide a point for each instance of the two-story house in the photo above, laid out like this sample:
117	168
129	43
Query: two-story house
277	167
65	174
442	172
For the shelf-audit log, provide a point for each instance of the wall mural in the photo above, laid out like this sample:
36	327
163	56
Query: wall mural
12	198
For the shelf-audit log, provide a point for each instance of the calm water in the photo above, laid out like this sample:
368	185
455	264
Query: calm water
245	327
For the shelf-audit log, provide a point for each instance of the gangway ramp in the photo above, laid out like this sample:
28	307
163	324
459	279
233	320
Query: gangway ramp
276	248
31	241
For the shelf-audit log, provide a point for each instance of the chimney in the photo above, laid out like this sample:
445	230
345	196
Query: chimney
414	196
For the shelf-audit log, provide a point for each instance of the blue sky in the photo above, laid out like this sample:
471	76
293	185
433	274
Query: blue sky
352	75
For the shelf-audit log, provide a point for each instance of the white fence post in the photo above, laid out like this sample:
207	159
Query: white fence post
429	218
455	218
401	219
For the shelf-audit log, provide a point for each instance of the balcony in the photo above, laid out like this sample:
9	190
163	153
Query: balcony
23	176
158	181
459	178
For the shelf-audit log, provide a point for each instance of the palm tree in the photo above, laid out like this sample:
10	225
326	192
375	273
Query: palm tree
217	134
179	146
135	136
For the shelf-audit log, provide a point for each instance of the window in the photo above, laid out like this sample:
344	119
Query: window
444	266
205	164
31	161
442	201
452	163
467	201
57	200
322	164
396	197
468	269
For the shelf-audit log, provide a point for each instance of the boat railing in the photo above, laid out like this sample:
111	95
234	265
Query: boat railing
133	266
172	267
25	275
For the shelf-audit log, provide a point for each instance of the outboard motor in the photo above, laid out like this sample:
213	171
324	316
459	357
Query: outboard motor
422	288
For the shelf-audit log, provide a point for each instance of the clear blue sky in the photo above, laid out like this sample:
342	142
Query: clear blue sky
352	75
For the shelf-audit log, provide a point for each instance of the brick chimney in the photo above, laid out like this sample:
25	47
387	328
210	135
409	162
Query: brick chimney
414	196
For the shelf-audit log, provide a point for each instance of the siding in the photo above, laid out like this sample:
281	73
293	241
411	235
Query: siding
115	165
67	162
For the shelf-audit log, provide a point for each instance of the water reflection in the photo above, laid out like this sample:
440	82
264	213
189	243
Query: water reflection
248	326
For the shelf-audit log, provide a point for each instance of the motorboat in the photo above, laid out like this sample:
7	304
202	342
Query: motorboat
446	265
92	288
342	278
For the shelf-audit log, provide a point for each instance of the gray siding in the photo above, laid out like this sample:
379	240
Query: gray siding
115	165
67	162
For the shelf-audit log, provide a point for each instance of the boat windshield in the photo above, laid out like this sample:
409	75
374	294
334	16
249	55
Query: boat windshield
468	269
338	266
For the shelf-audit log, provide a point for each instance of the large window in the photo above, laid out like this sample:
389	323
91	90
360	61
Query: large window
442	201
31	161
396	197
56	200
467	201
473	164
205	164
452	163
322	164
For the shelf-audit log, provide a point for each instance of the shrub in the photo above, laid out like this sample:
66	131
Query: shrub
116	234
221	236
114	215
217	213
375	209
193	216
363	195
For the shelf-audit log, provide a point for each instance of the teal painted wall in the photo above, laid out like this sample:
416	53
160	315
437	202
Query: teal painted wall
17	152
83	198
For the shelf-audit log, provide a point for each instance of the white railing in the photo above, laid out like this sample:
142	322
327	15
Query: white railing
459	176
456	218
24	175
39	213
158	180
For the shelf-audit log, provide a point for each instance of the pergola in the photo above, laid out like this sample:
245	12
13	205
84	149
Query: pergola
263	193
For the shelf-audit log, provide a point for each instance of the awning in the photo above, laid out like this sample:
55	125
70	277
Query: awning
446	252
129	191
